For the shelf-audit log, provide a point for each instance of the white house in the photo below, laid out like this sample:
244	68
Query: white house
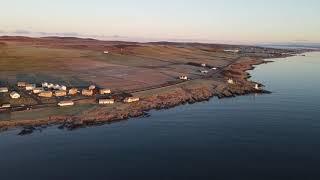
21	84
63	88
46	94
5	105
65	103
38	90
60	93
203	65
204	71
50	86
4	89
256	87
214	68
230	81
232	50
30	87
87	92
183	77
131	99
105	91
92	87
14	95
105	52
45	85
73	91
106	101
56	87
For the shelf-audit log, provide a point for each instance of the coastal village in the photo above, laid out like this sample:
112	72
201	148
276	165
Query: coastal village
68	96
62	93
80	82
65	94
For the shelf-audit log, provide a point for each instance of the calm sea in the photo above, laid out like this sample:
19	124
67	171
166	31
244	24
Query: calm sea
274	136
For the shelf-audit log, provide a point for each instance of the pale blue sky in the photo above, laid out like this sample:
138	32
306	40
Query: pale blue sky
239	21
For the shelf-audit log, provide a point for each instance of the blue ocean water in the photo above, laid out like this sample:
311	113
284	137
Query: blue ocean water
274	136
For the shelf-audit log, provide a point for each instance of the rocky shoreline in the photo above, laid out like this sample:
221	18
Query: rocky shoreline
180	95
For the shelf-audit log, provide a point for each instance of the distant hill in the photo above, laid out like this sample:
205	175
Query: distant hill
293	45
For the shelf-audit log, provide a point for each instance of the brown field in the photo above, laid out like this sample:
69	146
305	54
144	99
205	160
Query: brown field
79	62
147	70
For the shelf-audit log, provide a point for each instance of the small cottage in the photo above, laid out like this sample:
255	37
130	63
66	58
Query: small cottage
4	89
45	85
14	95
73	91
30	87
65	103
50	86
232	50
257	87
183	78
106	101
6	106
105	52
21	84
46	94
131	99
63	88
92	87
87	92
230	81
38	90
105	91
56	87
204	71
203	65
60	93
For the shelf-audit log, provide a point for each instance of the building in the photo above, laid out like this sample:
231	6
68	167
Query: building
30	87
6	106
256	87
63	88
4	90
131	99
50	86
92	87
46	94
65	103
105	52
87	92
105	91
204	71
73	91
214	68
183	77
230	81
45	85
203	65
14	95
60	93
21	84
56	87
106	101
232	50
38	90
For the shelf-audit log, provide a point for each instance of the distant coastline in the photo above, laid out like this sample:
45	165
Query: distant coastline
213	83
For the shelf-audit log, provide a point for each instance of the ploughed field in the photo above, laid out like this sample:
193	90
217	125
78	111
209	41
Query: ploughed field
143	69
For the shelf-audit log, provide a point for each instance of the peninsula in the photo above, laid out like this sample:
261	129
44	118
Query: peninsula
78	82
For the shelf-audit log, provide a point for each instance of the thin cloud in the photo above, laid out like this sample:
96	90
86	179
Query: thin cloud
301	40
